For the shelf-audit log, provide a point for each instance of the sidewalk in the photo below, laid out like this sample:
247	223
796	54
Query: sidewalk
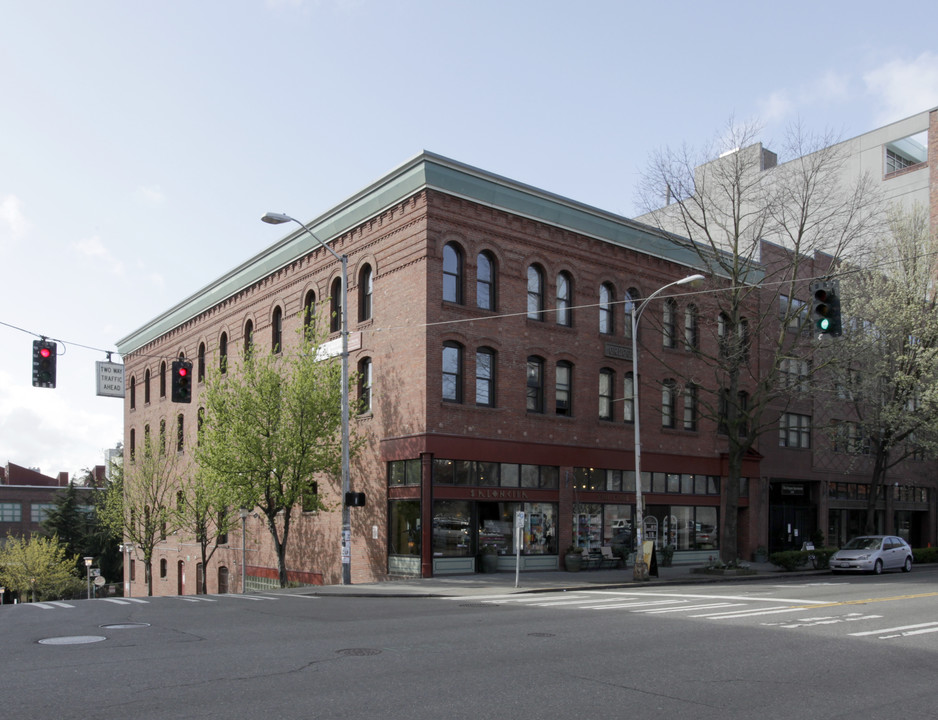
530	582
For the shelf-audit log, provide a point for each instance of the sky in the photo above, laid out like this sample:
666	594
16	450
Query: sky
140	143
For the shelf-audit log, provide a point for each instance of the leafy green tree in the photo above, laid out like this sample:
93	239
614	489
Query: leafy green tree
887	358
207	511
38	568
271	425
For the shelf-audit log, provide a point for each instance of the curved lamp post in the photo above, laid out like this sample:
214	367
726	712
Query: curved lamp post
640	569
277	219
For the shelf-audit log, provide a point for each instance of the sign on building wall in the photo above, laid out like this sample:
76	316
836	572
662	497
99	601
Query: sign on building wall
110	379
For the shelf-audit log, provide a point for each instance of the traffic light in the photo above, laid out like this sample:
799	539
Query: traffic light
355	499
825	307
44	354
182	381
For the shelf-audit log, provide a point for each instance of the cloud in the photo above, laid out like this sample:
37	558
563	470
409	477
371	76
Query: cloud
12	221
904	87
94	249
781	106
151	195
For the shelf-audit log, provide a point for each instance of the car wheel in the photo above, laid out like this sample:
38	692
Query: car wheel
908	565
878	568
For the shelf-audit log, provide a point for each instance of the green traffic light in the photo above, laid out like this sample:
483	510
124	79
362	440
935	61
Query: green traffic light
824	324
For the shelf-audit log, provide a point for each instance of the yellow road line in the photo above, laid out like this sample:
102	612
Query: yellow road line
868	600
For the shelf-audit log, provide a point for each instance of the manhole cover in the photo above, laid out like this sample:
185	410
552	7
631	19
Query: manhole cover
358	652
73	640
124	626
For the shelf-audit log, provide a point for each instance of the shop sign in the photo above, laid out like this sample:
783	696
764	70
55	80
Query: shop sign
792	489
493	494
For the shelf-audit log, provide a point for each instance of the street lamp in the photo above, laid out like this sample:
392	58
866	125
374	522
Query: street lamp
243	512
88	561
128	548
640	569
276	219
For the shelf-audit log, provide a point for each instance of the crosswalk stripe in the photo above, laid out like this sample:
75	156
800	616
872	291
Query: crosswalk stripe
685	608
904	630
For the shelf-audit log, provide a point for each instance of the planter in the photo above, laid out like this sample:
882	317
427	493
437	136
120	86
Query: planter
489	562
573	562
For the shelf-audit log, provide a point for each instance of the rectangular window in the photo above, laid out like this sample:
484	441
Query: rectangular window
404	527
38	512
794	430
628	398
403	472
485	377
794	373
11	512
452	372
667	404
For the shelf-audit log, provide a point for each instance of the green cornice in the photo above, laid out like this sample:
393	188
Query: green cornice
425	171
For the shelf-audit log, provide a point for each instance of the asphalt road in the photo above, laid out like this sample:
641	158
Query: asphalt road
824	647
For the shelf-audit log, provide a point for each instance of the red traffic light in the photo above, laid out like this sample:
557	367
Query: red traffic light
45	352
183	372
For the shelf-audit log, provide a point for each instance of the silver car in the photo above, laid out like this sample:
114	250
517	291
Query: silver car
873	553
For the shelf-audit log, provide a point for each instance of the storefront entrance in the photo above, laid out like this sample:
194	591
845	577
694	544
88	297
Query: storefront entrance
792	516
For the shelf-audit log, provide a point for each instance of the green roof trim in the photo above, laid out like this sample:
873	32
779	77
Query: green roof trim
429	171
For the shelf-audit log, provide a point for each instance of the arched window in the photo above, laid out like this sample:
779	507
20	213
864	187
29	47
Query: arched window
564	299
223	352
133	392
690	407
628	398
452	273
668	332
563	391
309	313
535	384
691	332
248	337
364	386
162	447
335	306
365	290
180	432
276	331
200	423
632	298
452	372
607	386
146	387
485	376
606	313
535	293
200	370
485	281
162	378
133	444
668	388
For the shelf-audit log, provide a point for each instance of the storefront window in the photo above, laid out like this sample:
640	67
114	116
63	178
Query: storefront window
617	526
403	472
462	528
540	523
404	521
451	528
587	525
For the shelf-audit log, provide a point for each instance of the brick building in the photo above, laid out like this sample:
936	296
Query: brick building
489	320
26	495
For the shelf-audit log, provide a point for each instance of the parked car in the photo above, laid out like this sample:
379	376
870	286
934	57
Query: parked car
873	553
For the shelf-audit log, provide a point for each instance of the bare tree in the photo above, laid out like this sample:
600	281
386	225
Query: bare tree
763	230
140	502
887	361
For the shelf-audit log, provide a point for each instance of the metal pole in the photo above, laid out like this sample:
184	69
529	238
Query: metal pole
346	540
346	513
640	568
244	525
